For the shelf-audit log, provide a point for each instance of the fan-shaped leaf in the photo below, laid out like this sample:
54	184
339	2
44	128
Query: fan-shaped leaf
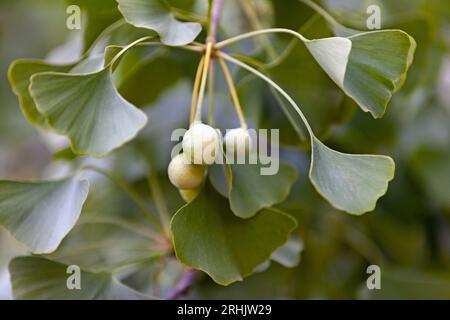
19	75
250	191
99	245
369	67
208	236
38	278
41	214
156	15
88	109
352	183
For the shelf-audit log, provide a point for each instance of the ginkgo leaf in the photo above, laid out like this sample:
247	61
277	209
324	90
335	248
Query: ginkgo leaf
88	109
299	74
369	67
156	15
118	244
19	75
40	214
373	75
38	278
208	236
352	183
332	54
251	191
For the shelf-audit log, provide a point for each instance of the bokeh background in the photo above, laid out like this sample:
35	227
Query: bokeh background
408	234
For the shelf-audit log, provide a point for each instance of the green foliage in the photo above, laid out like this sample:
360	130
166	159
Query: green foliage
88	109
156	15
231	248
19	74
116	104
250	191
36	278
40	214
343	178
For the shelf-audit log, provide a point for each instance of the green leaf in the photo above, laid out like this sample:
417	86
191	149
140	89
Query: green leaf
251	191
88	109
19	75
105	245
369	67
156	15
208	236
299	74
352	183
219	175
40	214
35	278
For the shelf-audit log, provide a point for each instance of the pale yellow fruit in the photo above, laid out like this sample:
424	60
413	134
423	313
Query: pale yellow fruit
184	175
201	144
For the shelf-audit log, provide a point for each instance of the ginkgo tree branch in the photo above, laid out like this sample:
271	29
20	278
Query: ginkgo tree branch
215	17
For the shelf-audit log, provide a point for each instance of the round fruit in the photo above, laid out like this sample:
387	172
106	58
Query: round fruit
201	143
238	141
185	175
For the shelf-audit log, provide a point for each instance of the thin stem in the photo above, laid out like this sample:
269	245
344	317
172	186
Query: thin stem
160	202
132	194
233	92
211	85
273	84
215	18
142	42
209	16
198	112
198	77
252	34
126	48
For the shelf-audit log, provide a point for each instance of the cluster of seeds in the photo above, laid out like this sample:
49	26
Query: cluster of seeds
202	145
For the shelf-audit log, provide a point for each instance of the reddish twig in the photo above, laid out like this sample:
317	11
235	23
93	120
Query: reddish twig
215	17
183	285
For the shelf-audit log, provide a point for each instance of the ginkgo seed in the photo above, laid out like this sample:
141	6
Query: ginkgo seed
184	175
201	143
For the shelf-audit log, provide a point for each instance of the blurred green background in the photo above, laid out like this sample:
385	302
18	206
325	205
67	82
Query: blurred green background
408	234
